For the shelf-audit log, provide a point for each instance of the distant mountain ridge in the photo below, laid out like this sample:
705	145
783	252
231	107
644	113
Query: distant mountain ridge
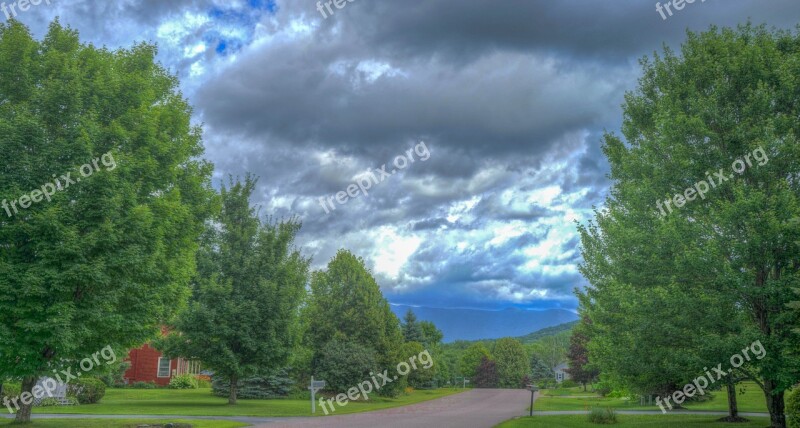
474	324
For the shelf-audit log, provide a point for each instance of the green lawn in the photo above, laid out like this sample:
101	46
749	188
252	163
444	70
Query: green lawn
751	401
121	423
200	402
630	421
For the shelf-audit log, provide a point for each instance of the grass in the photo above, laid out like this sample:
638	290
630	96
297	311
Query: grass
630	421
562	399
120	423
200	402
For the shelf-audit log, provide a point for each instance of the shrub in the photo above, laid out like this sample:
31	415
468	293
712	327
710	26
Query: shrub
344	363
52	401
603	416
11	390
184	381
143	385
793	408
569	383
87	390
115	374
202	383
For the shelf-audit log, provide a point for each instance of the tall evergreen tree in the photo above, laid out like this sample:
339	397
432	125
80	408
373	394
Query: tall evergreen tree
412	330
249	286
103	200
471	359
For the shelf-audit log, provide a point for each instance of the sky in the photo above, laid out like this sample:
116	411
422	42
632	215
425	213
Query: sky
505	101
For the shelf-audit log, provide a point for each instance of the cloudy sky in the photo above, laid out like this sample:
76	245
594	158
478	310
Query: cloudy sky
510	97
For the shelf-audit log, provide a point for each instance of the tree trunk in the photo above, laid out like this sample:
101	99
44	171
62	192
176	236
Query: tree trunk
733	406
24	412
234	385
775	405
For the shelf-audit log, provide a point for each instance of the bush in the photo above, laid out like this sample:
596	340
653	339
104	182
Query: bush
344	364
184	381
11	390
202	383
603	416
793	408
52	401
569	383
114	375
143	385
87	390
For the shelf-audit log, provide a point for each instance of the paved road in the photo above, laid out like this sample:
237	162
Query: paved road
478	408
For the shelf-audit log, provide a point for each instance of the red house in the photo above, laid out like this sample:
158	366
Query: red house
148	365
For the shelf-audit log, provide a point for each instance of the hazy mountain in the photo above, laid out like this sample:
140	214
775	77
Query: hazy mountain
474	324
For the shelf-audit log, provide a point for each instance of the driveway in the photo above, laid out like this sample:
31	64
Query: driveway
478	408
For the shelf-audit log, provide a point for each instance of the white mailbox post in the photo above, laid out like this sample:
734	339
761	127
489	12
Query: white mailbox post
316	385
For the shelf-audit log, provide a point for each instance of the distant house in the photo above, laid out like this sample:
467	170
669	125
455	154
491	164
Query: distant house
561	372
149	365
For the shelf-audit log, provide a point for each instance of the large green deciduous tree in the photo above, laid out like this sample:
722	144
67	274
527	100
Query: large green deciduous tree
346	303
713	269
471	359
107	256
250	283
512	362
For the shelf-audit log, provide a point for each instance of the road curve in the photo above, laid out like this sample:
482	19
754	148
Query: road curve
478	408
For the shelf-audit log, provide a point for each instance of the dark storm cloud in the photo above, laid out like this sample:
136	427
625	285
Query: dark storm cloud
512	97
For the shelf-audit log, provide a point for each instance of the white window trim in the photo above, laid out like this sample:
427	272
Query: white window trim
158	369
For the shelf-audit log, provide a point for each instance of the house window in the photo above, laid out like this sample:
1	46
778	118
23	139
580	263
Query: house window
163	367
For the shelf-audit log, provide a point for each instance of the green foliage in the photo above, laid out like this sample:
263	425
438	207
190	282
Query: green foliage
412	331
602	416
11	390
552	350
568	383
471	359
87	390
184	381
547	331
512	362
793	408
345	364
114	374
539	370
143	385
250	283
431	336
346	304
52	402
728	258
264	386
420	378
116	251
